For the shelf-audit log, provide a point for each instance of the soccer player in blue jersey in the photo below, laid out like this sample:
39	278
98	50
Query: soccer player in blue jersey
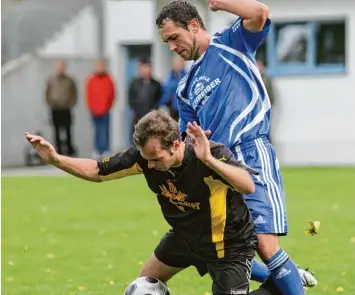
223	91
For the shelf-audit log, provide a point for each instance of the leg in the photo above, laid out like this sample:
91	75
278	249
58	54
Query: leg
157	269
58	141
171	256
106	133
56	130
102	130
230	277
96	122
68	125
268	287
267	206
259	271
283	271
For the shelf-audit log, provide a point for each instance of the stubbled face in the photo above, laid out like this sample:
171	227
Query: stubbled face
158	157
181	41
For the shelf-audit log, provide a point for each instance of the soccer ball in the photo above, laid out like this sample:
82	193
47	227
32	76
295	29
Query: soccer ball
146	286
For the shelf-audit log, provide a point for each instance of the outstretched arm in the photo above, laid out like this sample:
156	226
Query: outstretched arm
83	168
254	13
121	165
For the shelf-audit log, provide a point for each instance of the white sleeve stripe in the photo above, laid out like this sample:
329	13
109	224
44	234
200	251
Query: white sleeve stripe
245	59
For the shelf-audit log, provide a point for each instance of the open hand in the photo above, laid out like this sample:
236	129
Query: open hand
43	148
199	141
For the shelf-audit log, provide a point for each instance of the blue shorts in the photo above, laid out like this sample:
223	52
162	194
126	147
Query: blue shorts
267	204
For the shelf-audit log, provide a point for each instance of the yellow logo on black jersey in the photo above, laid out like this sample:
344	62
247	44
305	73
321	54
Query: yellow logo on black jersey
176	197
105	160
223	159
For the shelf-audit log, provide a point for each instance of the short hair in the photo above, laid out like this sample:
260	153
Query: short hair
180	12
156	124
144	60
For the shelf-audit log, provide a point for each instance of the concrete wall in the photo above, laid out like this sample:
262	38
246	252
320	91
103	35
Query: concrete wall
316	113
127	23
79	37
23	106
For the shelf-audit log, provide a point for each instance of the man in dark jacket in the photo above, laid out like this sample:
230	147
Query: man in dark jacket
144	91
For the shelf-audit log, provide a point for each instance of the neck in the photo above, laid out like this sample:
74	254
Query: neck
203	45
180	155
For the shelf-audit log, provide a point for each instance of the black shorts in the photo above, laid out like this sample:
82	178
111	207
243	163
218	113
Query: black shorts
230	275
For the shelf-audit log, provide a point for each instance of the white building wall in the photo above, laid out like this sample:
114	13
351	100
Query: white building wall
127	23
316	113
79	37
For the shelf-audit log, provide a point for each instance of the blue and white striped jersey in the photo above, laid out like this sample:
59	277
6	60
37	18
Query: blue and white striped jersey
223	90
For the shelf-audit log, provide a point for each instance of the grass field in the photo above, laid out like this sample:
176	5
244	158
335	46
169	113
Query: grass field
61	235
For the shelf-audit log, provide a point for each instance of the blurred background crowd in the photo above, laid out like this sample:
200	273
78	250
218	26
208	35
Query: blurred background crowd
82	72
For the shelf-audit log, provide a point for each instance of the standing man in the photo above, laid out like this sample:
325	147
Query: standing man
269	88
100	95
170	86
61	97
224	92
144	91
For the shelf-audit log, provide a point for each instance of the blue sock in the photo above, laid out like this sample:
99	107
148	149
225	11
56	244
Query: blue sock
259	271
285	274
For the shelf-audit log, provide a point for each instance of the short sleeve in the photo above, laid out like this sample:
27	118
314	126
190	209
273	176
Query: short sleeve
241	39
123	164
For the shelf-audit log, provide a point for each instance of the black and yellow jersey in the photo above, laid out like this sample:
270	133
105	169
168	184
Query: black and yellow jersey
194	199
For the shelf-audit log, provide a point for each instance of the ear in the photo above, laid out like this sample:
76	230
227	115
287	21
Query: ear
194	26
176	144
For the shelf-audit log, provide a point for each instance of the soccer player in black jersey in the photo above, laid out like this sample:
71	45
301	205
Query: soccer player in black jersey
199	187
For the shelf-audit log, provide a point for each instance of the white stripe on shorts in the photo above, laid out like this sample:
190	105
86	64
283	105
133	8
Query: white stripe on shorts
278	195
272	189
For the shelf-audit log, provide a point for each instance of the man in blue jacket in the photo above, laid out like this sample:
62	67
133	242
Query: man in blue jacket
170	85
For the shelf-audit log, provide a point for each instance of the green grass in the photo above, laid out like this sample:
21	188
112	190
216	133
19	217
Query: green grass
61	235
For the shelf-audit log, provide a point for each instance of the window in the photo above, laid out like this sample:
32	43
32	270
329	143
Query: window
291	43
307	47
330	41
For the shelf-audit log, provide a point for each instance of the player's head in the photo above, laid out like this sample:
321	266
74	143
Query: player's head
180	25
156	136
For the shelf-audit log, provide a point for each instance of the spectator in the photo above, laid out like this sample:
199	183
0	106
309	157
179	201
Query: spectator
170	85
267	81
100	96
61	97
144	91
269	88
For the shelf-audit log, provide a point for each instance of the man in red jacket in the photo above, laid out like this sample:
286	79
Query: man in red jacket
100	95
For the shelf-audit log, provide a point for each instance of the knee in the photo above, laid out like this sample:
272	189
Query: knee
268	245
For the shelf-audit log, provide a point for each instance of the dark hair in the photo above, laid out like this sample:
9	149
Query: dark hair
144	60
156	124
180	12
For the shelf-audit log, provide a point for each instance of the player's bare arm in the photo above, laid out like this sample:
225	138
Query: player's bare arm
235	176
86	169
254	13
